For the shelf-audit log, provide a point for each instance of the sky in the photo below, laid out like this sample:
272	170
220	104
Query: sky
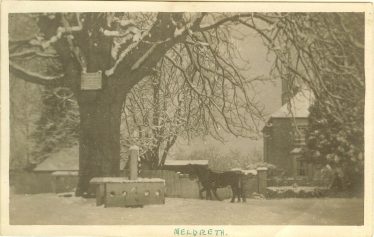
267	93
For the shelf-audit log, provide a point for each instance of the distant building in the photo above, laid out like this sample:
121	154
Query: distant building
65	159
284	134
182	165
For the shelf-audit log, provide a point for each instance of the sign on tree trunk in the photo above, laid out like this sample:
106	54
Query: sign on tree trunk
91	80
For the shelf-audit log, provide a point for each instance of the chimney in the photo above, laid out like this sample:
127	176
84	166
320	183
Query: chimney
285	91
289	90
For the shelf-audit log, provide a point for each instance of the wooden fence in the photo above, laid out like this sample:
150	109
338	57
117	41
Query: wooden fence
42	182
184	187
179	186
176	185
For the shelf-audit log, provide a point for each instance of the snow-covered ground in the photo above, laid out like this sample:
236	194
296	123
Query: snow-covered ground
50	209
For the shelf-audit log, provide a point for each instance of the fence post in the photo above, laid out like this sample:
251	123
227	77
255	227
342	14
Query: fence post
262	179
134	154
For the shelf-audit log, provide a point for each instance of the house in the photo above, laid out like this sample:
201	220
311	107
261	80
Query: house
63	160
61	168
58	172
284	135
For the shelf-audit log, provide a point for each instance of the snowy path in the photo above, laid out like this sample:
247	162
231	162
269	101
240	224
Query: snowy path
51	209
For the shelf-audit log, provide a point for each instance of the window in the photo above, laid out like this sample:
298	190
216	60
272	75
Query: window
299	136
300	167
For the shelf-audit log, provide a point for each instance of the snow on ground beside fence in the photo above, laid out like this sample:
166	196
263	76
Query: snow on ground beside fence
31	209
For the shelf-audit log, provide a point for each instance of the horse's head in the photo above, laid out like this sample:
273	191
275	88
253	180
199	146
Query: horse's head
196	171
191	170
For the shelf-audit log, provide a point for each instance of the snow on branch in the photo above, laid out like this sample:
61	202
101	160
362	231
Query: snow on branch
32	52
39	41
143	58
129	39
35	77
187	22
110	71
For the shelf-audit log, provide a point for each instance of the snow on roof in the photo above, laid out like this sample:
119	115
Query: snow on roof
65	173
66	159
296	150
186	162
245	172
297	107
99	180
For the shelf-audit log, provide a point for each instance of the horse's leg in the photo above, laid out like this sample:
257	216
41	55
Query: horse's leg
208	195
238	192
201	193
233	189
200	190
242	193
240	189
216	195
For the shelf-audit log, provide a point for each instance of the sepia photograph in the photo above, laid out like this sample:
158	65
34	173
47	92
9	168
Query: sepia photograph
188	119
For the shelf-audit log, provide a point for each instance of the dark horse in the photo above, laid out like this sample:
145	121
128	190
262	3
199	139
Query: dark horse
211	180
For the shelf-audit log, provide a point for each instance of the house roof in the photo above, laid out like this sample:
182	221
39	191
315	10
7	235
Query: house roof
296	150
65	173
297	107
186	162
66	159
100	180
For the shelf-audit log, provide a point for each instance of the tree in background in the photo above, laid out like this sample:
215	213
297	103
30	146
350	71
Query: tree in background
340	146
330	52
325	53
160	110
58	125
24	100
154	119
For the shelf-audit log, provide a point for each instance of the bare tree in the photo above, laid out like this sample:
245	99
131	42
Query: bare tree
166	107
153	119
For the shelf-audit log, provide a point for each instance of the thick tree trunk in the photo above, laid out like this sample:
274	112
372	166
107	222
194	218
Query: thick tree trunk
100	120
100	111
